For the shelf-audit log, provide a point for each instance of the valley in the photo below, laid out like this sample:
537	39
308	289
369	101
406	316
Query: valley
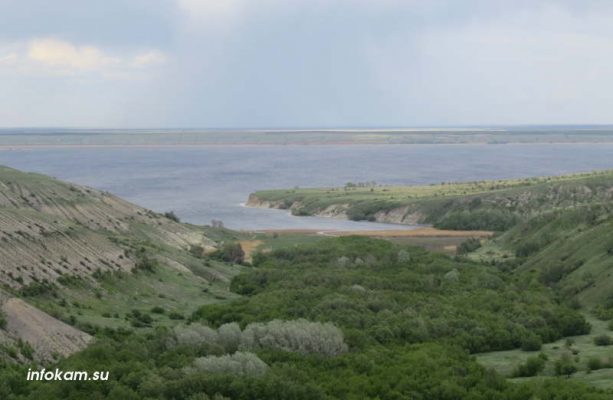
470	308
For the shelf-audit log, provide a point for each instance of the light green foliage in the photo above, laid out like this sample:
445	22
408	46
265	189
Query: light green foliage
296	336
239	363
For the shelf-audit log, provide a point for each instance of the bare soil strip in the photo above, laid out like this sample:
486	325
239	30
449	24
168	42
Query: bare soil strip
392	233
249	247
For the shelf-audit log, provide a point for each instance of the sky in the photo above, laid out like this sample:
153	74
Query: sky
304	63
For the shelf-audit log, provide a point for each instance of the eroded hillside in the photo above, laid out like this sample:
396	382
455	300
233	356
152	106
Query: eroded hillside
75	259
50	228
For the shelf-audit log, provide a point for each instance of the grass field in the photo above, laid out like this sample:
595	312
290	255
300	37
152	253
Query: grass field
579	348
352	193
111	299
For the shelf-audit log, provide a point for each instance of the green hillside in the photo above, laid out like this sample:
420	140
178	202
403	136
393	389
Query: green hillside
571	250
486	205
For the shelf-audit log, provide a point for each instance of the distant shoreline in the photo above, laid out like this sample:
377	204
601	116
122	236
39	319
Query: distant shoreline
17	147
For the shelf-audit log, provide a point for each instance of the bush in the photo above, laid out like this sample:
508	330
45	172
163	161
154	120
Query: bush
565	366
175	315
602	340
229	337
146	263
468	246
2	320
299	336
531	367
195	335
139	319
230	252
172	216
38	289
239	363
531	343
526	249
595	363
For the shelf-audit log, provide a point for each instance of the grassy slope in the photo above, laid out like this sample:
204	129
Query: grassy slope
580	348
571	250
437	204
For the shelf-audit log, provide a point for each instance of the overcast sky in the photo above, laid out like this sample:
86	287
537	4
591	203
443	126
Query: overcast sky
304	63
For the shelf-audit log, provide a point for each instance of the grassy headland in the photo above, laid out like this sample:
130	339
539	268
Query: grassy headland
485	205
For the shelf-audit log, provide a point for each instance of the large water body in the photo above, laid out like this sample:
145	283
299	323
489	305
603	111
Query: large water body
212	182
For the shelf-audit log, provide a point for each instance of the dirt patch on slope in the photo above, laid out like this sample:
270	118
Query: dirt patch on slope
249	247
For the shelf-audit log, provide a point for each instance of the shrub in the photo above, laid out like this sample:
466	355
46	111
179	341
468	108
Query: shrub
139	319
531	367
158	310
2	320
38	289
172	216
468	246
531	343
230	252
565	366
299	336
229	337
239	363
26	349
195	335
175	315
595	363
404	256
526	249
146	263
602	340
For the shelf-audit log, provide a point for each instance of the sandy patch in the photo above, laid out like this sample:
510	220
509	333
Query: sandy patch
249	247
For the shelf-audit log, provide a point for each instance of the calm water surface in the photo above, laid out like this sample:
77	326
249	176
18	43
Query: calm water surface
203	183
